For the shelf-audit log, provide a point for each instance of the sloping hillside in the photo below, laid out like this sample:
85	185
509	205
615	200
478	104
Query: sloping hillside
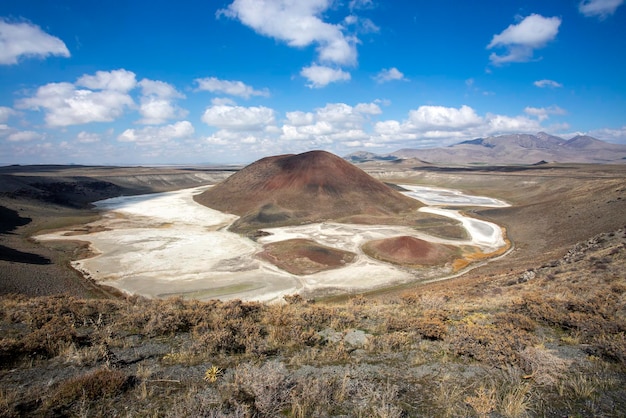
309	187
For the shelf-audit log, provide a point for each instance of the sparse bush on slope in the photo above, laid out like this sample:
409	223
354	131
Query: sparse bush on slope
550	345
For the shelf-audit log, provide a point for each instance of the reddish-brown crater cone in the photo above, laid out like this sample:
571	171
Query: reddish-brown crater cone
309	187
409	251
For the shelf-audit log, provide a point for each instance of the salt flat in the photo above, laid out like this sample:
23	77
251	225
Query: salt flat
166	244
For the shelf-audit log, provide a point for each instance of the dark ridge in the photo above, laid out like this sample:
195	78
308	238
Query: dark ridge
478	141
16	256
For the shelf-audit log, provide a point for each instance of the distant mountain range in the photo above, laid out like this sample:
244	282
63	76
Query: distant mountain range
510	149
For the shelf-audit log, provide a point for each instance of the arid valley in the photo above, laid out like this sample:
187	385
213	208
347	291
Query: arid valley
530	324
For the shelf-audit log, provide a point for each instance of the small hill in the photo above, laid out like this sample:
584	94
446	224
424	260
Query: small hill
294	189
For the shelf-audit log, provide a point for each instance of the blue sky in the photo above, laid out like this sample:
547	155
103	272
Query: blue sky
133	82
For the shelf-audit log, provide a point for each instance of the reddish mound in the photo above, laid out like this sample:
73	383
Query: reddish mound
309	187
302	256
410	251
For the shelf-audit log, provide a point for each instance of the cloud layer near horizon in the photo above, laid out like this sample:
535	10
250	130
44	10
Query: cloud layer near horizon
107	96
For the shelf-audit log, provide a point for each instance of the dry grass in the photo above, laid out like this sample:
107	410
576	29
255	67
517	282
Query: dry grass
551	345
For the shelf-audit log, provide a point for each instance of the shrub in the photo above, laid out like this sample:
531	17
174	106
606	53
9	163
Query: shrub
93	386
497	346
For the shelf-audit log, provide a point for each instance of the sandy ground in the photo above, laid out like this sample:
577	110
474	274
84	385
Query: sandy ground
166	244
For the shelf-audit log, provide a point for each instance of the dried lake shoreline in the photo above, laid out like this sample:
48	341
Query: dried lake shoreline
166	244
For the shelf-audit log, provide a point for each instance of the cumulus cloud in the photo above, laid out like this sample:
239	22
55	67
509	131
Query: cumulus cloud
27	40
543	113
299	24
159	89
84	137
157	102
6	113
439	125
154	136
341	125
117	80
599	8
216	101
66	105
520	40
238	118
230	87
299	118
335	122
320	76
502	124
547	83
24	136
443	118
390	74
368	109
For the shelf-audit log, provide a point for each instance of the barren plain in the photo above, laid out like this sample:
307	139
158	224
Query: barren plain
539	332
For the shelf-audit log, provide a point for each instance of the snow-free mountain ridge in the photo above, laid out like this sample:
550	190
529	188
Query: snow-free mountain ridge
511	149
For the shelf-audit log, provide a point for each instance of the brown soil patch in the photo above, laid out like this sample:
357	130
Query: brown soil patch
302	256
410	251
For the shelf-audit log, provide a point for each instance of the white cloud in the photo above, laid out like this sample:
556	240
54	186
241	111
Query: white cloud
84	137
543	113
233	88
217	101
299	118
117	80
238	118
27	40
65	105
361	24
617	136
599	8
368	109
547	83
159	89
156	111
390	74
335	122
501	124
443	118
299	24
157	105
6	113
439	126
320	76
354	144
155	136
216	139
24	136
520	40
